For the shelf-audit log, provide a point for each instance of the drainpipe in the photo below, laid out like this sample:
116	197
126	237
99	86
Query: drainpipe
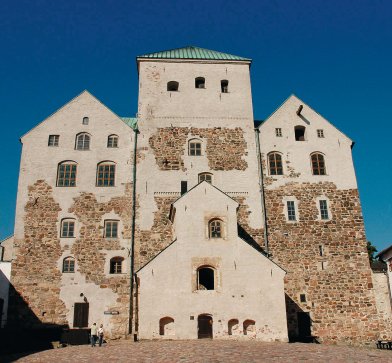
261	184
132	267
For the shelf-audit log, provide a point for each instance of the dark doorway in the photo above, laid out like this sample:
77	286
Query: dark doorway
205	278
304	325
204	326
81	315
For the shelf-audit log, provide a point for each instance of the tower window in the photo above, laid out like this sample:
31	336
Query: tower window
205	176
275	164
194	148
278	132
291	211
200	82
320	133
318	164
172	86
225	86
53	140
112	141
323	209
116	265
299	133
205	278
82	142
85	121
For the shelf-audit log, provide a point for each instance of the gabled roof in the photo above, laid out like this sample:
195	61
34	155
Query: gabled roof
191	52
130	121
384	251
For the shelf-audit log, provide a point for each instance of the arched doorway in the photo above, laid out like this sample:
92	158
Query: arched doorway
204	326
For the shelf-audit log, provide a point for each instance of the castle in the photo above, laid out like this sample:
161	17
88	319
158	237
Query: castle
192	220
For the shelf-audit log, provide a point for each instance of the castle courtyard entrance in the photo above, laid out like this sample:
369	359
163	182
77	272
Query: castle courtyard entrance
204	326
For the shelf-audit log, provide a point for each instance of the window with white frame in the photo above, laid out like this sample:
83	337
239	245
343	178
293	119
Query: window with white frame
291	213
324	215
82	142
194	147
112	141
53	140
67	228
111	229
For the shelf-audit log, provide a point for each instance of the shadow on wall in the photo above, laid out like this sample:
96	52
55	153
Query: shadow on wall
24	333
299	324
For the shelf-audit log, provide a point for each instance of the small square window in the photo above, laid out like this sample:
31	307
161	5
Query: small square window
320	133
111	229
278	132
291	211
53	140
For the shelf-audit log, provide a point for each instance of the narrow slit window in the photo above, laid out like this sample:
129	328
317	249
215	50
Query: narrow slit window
321	250
275	164
323	209
53	140
291	216
225	86
302	298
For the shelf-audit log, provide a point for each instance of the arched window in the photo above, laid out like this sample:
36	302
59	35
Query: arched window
318	164
299	133
67	228
205	278
116	265
200	82
249	327
66	174
85	121
225	86
275	163
82	141
112	141
166	326
106	174
172	86
194	147
205	176
233	326
69	265
215	228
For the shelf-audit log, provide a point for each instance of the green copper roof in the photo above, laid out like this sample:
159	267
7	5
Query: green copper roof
193	53
130	121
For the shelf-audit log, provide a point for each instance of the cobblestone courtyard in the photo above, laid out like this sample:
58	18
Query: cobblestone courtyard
208	351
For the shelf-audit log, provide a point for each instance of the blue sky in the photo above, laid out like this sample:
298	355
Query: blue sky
335	55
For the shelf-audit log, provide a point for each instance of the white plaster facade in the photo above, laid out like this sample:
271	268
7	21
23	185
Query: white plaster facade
247	284
386	256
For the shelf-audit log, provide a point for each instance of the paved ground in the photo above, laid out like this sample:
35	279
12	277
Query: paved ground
208	351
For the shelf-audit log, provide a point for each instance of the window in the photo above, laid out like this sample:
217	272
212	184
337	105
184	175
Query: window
302	298
200	82
116	265
323	209
321	250
53	140
299	133
318	164
291	211
205	278
66	174
166	326
69	265
205	176
113	141
225	86
82	142
320	133
278	132
172	86
106	174
249	327
85	121
215	228
275	164
111	229
184	187
67	228
233	326
194	148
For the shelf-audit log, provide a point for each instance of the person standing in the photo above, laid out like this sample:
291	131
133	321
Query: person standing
94	335
100	335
